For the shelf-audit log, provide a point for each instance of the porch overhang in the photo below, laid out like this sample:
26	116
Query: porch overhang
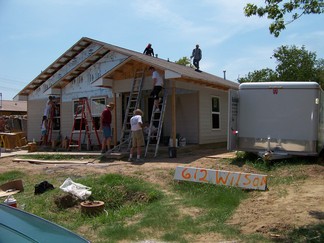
103	82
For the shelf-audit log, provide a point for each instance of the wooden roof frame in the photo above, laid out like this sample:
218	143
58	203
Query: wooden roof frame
124	70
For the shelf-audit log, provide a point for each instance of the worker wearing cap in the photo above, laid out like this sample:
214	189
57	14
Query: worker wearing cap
137	135
105	126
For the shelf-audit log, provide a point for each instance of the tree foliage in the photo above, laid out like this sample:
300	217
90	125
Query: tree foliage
185	61
319	66
293	64
263	75
277	10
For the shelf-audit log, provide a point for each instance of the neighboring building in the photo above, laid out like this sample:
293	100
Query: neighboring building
13	116
9	107
104	73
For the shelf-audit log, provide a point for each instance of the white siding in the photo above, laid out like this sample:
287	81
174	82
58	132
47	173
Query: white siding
207	134
66	119
187	121
35	111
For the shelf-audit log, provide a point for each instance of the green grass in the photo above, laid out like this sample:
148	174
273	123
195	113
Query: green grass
136	210
280	172
11	175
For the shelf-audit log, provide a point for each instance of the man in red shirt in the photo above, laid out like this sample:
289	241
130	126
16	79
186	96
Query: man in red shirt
105	121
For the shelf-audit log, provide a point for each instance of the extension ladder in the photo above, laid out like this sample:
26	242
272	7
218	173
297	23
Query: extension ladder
83	113
132	104
157	117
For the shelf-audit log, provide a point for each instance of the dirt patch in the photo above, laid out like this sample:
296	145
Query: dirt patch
281	208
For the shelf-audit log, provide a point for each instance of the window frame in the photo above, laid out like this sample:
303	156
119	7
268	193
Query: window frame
213	113
57	115
95	113
78	118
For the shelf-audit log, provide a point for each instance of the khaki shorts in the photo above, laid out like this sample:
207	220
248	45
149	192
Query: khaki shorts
137	139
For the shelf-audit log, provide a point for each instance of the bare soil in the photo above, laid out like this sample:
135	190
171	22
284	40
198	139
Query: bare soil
282	207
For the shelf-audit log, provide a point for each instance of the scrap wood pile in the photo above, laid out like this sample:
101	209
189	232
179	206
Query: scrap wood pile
13	123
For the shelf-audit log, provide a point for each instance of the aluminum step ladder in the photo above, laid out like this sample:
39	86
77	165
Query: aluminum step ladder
132	104
157	117
83	113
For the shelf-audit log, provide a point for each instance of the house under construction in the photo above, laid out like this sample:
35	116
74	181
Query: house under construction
91	74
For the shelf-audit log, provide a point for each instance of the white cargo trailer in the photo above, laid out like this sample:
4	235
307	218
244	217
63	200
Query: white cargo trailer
276	119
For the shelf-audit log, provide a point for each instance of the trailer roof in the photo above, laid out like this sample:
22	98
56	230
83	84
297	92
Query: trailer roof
280	84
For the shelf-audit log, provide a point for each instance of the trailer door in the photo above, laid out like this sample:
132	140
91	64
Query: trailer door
232	134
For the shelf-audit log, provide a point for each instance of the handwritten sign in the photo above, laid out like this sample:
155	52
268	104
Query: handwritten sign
221	177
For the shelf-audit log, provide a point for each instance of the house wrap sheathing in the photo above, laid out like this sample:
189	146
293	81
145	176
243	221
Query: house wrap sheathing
197	106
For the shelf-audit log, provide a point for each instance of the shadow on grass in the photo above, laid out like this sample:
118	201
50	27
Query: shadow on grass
310	234
246	158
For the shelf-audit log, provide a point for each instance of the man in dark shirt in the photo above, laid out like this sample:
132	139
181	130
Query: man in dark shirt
105	121
196	55
149	50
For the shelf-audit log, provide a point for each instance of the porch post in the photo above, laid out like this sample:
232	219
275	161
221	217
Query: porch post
174	120
115	119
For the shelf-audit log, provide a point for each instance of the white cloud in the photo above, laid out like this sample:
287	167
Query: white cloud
222	20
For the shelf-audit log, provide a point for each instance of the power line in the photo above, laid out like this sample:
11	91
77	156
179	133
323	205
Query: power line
9	79
6	88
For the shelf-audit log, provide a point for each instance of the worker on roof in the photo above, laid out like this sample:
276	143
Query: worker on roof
149	50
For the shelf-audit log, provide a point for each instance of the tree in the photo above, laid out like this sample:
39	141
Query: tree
263	75
319	66
185	61
295	64
278	9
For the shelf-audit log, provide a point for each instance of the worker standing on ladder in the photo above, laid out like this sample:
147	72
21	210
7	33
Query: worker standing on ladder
48	107
157	87
105	126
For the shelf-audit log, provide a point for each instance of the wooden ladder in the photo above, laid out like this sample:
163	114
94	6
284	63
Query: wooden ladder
83	113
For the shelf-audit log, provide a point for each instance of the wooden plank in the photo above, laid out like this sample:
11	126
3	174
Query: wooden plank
37	161
222	177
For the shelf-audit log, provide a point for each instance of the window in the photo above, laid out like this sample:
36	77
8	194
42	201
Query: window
215	113
77	115
97	106
57	114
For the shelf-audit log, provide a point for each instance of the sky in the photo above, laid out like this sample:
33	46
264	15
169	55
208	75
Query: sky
35	33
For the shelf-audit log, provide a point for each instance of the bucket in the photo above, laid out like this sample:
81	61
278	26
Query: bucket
92	207
171	142
182	142
11	201
172	152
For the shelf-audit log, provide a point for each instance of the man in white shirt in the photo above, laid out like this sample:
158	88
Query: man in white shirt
157	87
48	107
